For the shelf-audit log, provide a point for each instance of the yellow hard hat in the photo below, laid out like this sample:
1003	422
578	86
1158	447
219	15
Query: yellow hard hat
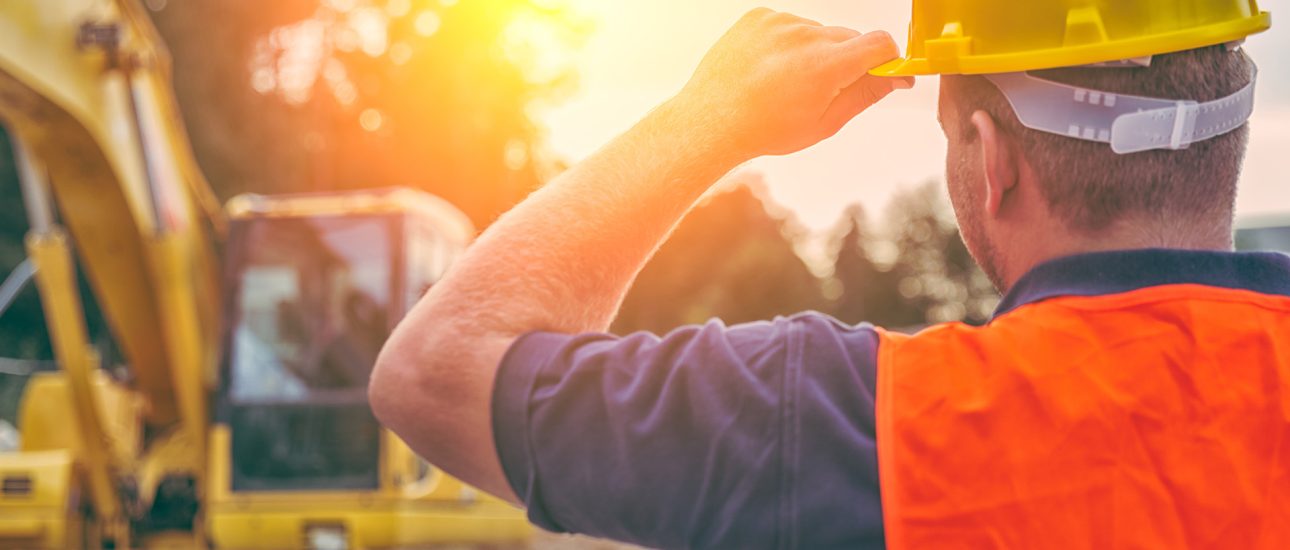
1000	36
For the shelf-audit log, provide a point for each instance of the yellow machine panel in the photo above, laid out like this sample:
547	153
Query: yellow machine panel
39	501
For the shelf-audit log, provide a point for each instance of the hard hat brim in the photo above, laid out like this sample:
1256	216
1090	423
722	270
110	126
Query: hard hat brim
1113	50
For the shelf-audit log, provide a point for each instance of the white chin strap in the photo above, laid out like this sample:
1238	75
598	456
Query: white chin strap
1129	123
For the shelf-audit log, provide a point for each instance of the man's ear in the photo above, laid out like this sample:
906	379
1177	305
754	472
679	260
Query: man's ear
998	159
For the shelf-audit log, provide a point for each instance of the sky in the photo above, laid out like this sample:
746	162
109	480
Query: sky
642	51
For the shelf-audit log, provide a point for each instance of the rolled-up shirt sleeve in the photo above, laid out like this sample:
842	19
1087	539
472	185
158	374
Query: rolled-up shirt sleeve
695	438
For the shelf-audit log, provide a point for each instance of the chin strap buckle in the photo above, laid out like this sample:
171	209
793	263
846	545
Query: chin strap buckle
1184	124
1130	124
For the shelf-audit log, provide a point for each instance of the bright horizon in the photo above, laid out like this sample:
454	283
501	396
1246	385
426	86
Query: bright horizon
641	52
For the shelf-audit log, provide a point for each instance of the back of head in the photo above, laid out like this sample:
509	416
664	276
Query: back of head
1091	187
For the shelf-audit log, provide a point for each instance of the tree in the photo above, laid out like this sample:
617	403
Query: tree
867	291
307	95
935	271
730	258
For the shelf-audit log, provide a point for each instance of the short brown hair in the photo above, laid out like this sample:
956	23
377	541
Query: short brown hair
1091	186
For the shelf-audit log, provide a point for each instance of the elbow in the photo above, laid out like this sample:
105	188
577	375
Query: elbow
382	389
432	386
395	389
413	380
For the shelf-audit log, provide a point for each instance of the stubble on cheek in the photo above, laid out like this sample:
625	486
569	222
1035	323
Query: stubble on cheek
968	205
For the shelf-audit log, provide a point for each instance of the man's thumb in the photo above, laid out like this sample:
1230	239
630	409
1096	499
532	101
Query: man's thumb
857	97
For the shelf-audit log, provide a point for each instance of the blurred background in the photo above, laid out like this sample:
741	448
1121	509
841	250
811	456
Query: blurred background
481	102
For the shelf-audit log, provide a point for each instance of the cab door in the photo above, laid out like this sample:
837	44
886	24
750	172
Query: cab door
313	301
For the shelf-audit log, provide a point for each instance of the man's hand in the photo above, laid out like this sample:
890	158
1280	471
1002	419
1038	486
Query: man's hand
777	83
563	259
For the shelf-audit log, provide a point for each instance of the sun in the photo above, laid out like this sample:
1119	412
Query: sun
544	37
540	37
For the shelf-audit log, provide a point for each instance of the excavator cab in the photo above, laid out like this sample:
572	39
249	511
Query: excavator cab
315	285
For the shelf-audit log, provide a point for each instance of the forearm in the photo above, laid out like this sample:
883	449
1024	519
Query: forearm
563	259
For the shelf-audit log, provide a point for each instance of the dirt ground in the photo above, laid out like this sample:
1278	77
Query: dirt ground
550	541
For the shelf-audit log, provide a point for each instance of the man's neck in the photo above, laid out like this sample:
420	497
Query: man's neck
1122	236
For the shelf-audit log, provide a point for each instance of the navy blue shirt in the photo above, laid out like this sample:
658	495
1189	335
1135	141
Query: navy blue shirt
753	436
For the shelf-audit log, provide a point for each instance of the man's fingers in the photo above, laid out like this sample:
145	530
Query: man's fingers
788	18
767	16
851	59
839	34
857	97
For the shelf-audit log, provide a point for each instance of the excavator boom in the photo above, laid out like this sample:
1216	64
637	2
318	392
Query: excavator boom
88	80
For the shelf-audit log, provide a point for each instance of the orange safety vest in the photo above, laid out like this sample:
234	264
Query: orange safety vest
1154	418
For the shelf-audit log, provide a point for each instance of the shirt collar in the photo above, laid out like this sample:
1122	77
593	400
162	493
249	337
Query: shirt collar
1103	273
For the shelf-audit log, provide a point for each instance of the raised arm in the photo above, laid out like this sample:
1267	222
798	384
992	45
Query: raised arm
563	259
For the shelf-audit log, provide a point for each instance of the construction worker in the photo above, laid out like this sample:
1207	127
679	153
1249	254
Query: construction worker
1133	390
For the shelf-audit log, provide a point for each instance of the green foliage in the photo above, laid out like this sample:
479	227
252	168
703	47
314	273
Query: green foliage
298	96
733	258
729	259
867	291
937	273
932	277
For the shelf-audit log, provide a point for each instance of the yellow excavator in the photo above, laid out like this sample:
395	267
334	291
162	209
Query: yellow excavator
243	421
